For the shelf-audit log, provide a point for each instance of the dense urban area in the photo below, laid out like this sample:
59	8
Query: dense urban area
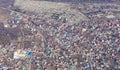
59	35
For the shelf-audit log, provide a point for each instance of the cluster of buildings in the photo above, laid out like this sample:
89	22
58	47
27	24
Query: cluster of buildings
34	42
99	10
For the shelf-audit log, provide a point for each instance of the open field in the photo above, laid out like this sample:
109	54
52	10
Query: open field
48	8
